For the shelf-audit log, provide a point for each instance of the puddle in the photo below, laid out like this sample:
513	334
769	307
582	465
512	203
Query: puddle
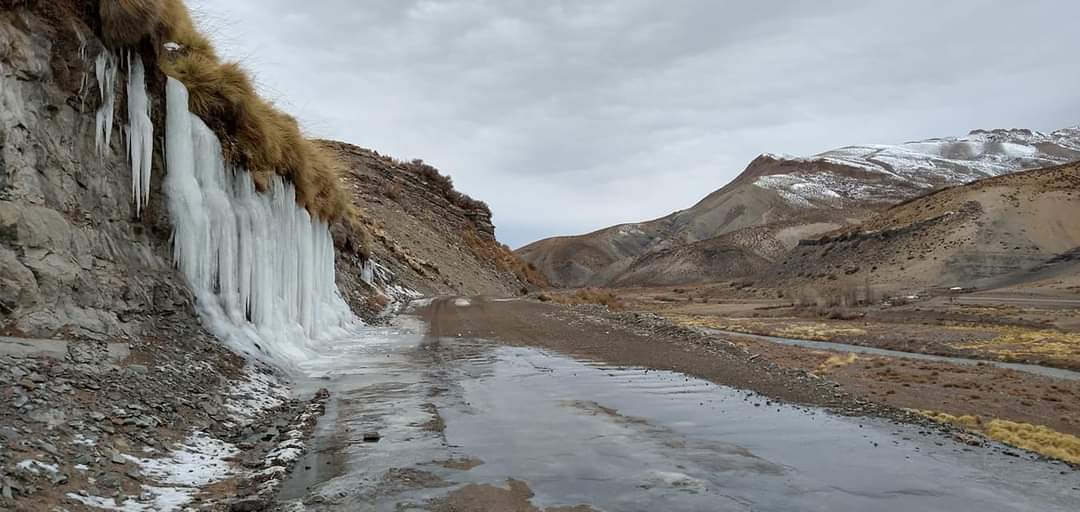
1035	369
623	439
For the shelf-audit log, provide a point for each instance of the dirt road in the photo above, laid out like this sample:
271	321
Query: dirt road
628	339
493	405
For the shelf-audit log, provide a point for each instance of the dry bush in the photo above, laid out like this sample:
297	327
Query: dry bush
255	135
445	186
376	302
587	296
392	190
595	296
834	299
503	258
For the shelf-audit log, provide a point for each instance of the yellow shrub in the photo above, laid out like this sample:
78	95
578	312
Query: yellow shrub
1035	438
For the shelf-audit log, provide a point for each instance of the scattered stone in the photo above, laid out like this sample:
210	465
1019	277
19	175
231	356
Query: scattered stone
51	417
20	399
137	369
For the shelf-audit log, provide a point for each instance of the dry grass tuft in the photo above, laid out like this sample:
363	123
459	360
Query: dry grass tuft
1034	438
966	421
254	133
127	22
1020	344
837	361
586	296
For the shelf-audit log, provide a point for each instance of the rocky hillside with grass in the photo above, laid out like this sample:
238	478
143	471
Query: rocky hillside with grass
965	236
421	234
781	199
105	362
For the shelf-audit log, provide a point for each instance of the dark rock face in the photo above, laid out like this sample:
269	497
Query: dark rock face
76	261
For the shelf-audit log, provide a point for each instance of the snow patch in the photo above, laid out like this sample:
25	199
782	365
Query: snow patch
36	467
198	461
402	294
256	393
153	499
903	170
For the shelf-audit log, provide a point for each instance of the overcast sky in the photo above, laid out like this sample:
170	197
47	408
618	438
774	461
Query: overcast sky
568	116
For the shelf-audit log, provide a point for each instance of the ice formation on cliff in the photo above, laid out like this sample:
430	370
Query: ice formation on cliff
261	268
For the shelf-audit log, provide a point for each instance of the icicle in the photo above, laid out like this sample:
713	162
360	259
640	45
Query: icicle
367	272
82	58
261	268
140	133
105	68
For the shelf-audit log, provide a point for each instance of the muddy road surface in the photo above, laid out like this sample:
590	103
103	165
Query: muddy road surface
496	405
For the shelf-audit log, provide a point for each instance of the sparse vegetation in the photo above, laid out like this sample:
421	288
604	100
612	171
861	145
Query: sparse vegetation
504	259
1021	344
1035	438
445	185
585	296
254	134
837	361
392	190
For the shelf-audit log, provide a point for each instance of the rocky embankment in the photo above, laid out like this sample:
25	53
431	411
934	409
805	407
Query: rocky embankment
422	233
104	365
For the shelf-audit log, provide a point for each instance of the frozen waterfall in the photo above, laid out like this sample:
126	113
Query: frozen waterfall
261	268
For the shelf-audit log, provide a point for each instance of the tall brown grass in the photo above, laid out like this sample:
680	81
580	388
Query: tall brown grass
254	133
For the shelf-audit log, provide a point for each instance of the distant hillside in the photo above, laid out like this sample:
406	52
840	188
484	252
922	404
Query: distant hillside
690	263
425	235
961	236
778	200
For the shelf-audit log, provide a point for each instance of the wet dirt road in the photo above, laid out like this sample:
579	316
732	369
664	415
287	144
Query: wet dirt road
470	418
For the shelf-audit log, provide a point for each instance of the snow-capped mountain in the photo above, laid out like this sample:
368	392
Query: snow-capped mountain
779	199
887	173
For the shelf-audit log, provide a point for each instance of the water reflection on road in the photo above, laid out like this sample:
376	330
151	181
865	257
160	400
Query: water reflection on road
454	411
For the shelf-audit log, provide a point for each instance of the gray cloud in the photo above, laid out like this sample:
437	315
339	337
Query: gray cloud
567	116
